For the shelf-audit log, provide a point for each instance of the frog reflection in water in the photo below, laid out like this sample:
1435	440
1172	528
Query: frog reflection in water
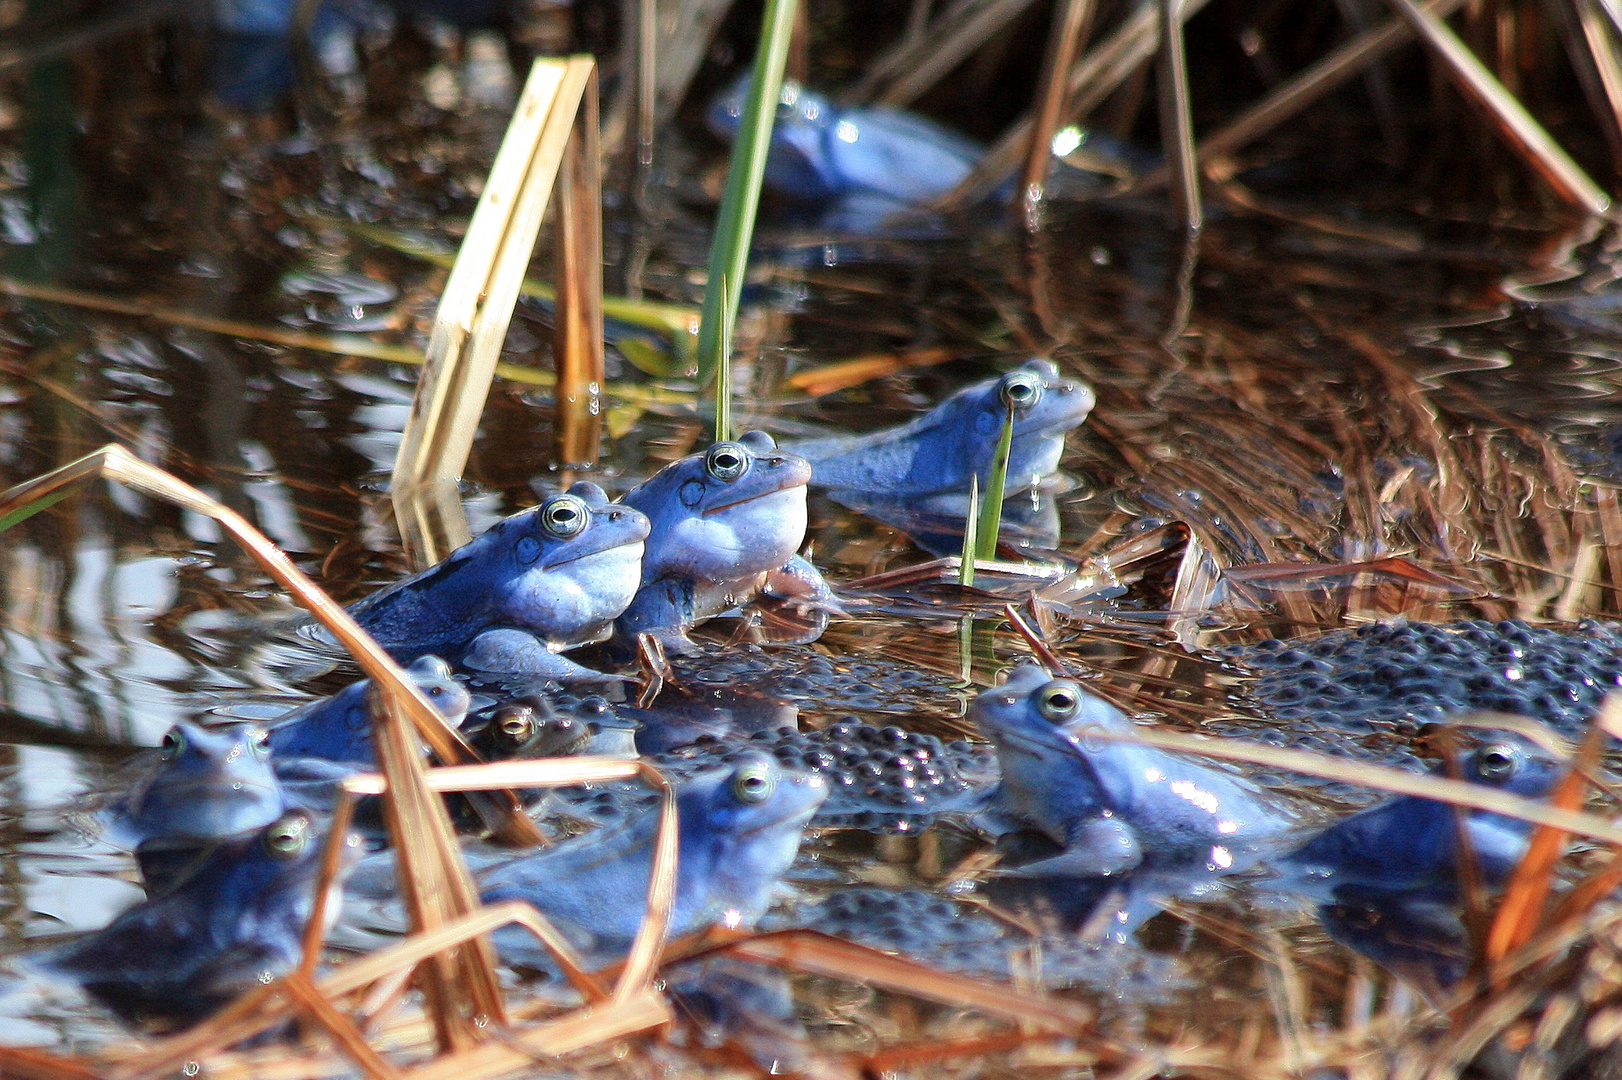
211	782
726	526
1114	806
536	583
235	922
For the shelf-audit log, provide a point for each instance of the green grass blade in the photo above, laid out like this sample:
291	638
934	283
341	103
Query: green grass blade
971	526
23	513
735	223
990	515
723	376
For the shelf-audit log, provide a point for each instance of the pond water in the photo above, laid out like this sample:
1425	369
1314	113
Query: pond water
1357	381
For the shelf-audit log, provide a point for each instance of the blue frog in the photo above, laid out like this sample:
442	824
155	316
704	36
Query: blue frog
234	922
821	152
726	526
740	828
928	463
339	728
211	782
1114	806
536	583
1409	846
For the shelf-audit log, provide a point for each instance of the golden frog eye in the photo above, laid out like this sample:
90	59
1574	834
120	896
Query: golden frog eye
564	516
1021	390
1059	701
1497	762
517	723
726	461
174	744
288	837
754	782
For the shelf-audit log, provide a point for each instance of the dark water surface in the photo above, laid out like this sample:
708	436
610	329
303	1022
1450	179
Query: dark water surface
1355	382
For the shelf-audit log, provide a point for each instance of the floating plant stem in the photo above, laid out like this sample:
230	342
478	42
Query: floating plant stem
990	506
735	222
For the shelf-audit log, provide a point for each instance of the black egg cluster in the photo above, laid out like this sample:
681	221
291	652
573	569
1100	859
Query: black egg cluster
1398	676
873	773
812	679
881	779
953	936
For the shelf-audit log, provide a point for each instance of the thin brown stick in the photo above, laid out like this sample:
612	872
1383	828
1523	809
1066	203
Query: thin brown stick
1176	119
343	1032
578	328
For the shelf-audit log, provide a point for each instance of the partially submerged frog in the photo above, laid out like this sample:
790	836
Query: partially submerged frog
339	728
1114	806
1410	845
727	524
930	461
541	581
821	152
212	782
235	922
740	828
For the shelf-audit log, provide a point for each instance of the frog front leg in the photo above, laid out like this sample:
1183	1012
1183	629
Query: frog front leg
511	651
1100	846
802	600
663	608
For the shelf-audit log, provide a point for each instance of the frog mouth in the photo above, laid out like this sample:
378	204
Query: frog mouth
621	550
753	498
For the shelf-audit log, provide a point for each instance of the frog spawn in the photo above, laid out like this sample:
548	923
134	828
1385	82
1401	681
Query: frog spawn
882	779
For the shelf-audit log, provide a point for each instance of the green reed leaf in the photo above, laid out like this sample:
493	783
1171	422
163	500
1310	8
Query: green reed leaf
990	509
971	527
735	223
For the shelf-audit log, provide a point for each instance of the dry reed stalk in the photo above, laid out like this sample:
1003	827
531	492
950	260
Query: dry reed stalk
1071	20
842	374
903	72
478	300
344	344
1301	91
1104	67
1381	778
1523	910
339	1026
1524	134
1605	98
1176	121
18	1063
577	342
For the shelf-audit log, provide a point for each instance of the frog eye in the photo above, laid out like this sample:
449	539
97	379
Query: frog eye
517	724
1058	701
259	743
726	461
564	516
174	744
1498	762
288	837
1021	389
754	782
